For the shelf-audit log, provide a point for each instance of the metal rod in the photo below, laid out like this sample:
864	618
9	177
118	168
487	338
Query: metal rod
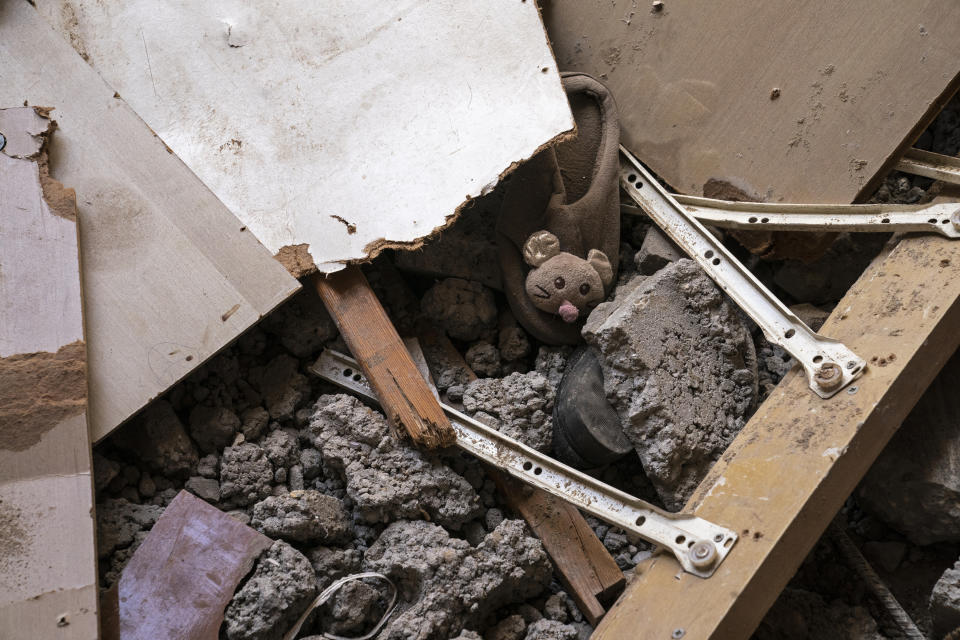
828	364
699	546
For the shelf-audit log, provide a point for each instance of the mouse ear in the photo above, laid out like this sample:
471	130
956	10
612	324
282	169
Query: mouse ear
540	247
599	261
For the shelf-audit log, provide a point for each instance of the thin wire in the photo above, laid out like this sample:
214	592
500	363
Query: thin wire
327	593
880	590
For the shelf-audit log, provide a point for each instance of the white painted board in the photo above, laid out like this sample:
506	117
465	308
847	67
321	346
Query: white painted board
338	124
170	276
48	564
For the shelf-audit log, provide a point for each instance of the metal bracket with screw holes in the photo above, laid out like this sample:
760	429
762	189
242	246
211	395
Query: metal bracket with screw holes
829	365
699	546
943	219
930	165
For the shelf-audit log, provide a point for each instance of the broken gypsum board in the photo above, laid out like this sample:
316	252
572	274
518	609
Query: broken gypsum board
698	545
943	219
930	165
829	365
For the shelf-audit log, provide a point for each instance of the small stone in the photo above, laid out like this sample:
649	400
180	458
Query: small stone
118	520
332	564
520	406
510	628
158	439
245	475
465	310
271	600
207	467
296	478
352	609
310	460
614	541
213	428
550	630
552	362
205	488
484	359
474	532
146	487
254	422
493	518
283	388
555	609
302	516
281	448
514	343
104	471
656	252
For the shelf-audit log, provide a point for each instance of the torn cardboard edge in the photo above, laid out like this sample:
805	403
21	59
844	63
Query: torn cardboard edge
297	259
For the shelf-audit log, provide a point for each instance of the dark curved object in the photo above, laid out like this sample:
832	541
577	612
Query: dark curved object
586	429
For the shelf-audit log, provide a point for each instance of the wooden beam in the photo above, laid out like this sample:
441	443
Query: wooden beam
48	561
404	395
584	566
165	263
796	461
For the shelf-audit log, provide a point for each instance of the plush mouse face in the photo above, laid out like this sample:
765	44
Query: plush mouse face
562	283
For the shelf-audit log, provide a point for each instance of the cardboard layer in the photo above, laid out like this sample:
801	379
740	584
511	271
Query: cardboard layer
163	259
331	131
774	101
48	566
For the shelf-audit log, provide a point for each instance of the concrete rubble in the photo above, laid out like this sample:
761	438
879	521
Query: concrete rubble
339	492
680	369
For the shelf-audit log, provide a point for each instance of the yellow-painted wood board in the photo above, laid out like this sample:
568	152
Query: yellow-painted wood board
789	470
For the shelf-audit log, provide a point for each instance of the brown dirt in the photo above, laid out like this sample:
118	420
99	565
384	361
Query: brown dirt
38	391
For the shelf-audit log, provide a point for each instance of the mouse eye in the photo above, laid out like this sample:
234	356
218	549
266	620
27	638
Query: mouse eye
559	283
584	289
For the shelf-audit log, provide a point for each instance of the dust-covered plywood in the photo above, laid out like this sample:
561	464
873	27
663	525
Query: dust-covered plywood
337	128
169	275
795	101
48	564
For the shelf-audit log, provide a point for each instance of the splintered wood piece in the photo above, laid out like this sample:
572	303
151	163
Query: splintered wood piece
183	575
48	563
404	395
791	467
586	569
165	263
588	573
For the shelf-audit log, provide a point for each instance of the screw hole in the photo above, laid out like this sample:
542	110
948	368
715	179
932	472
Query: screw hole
818	359
357	377
790	333
856	371
708	254
718	537
527	465
764	220
752	220
932	221
944	221
728	543
885	221
348	372
537	471
681	539
641	520
690	544
851	364
631	178
716	261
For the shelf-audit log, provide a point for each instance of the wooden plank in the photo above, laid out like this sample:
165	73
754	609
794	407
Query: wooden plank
407	401
586	569
858	82
48	563
792	466
163	259
412	126
185	599
584	566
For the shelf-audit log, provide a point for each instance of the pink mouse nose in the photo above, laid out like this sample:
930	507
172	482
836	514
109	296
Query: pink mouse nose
568	312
